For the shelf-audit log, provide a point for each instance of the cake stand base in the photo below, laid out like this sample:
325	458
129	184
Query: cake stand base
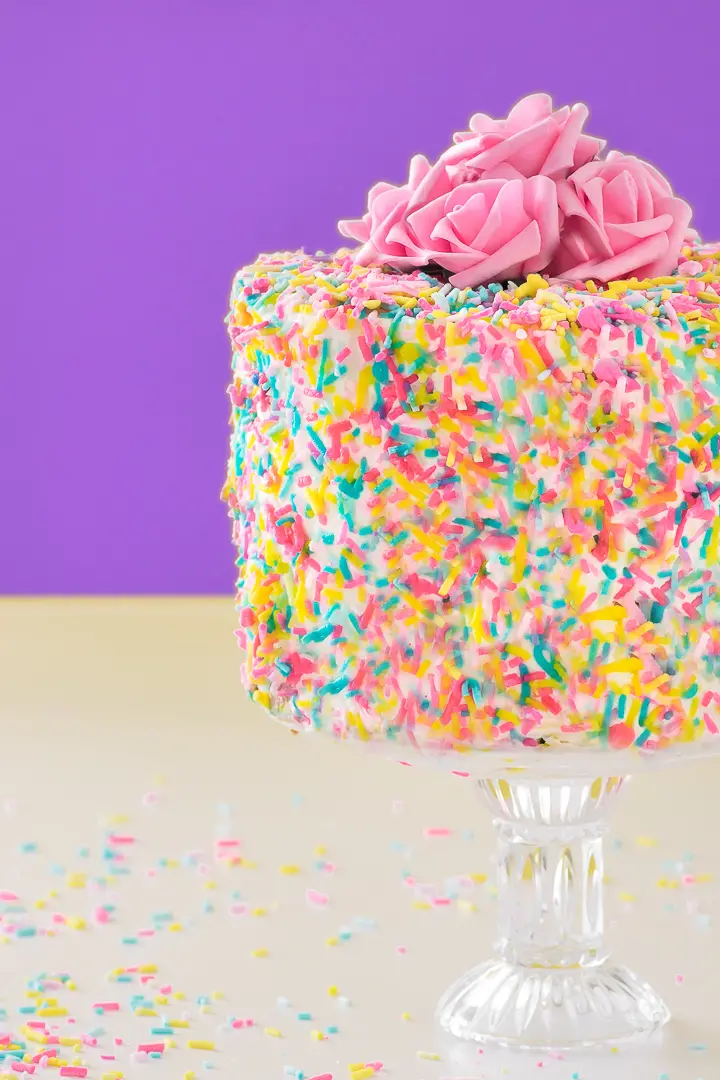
525	1008
551	985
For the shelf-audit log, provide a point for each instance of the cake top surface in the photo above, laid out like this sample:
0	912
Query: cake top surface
687	299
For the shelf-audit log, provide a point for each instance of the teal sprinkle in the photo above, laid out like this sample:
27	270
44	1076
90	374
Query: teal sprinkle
622	701
644	710
323	361
304	1016
381	668
28	848
546	659
334	687
317	440
26	931
352	488
656	612
317	635
353	619
344	568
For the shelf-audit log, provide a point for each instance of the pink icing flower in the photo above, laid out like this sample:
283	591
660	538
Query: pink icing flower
620	217
482	230
532	141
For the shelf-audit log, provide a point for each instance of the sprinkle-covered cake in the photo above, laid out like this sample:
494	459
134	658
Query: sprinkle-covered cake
474	474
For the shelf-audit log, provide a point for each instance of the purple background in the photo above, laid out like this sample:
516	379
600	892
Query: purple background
150	148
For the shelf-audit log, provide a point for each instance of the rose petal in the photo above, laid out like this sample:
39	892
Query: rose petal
518	250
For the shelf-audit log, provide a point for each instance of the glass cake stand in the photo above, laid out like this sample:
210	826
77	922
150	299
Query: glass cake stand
551	984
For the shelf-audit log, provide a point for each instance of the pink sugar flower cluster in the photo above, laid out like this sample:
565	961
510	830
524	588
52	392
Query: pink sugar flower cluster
526	194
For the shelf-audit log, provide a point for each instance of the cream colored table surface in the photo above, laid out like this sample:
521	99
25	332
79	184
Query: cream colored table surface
106	705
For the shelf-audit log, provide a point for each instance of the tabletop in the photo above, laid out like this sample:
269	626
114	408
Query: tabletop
187	887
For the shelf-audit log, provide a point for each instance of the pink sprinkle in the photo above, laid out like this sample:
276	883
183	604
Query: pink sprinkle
376	1065
108	1057
441	901
238	909
146	933
115	838
58	918
227	843
73	1070
151	1048
107	1006
21	1067
5	894
400	949
101	915
31	1024
456	772
150	798
322	1076
88	1040
438	830
166	989
688	879
146	979
118	1041
679	980
314	897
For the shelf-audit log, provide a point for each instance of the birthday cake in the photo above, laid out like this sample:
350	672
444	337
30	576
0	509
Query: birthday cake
474	471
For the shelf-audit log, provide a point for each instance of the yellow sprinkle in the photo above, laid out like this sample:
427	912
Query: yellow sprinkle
179	1023
627	898
200	1044
145	1012
175	926
332	941
421	905
68	1040
630	663
275	1032
76	881
217	995
189	1075
161	1000
362	1073
333	991
147	969
321	850
290	868
259	911
406	1016
613	613
52	1011
75	922
645	841
317	1035
427	1055
260	953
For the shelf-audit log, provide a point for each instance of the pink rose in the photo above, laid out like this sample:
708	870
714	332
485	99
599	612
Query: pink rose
532	141
620	217
483	230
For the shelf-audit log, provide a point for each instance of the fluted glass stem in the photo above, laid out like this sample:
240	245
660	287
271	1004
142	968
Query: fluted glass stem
550	869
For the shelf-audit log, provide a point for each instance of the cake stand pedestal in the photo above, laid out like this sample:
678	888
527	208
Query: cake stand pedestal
551	985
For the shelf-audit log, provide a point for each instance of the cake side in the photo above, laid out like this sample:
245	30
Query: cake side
478	517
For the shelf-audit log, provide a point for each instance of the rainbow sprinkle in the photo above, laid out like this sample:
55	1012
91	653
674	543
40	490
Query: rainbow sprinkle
478	518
